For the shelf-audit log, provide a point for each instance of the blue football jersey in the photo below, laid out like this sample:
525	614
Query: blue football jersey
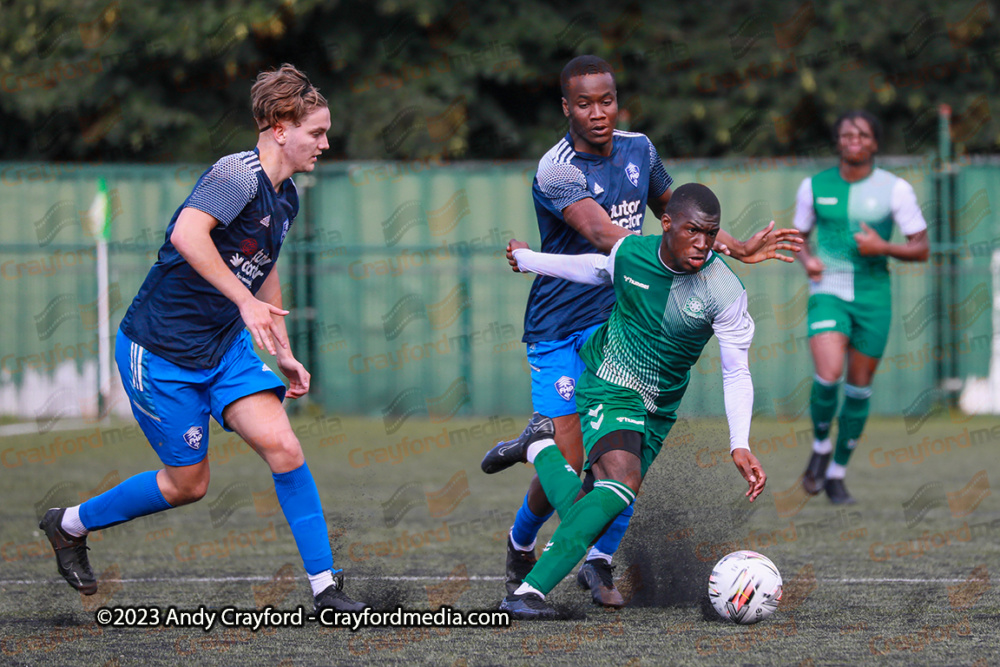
180	316
622	184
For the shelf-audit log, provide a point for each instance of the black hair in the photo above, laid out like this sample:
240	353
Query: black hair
581	66
856	114
694	196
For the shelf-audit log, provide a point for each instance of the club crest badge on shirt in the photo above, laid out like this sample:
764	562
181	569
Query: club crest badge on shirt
694	307
566	387
632	172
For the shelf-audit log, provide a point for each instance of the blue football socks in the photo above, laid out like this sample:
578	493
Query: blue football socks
137	496
527	524
612	537
300	502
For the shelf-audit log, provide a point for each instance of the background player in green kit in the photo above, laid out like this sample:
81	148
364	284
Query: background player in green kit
852	208
673	293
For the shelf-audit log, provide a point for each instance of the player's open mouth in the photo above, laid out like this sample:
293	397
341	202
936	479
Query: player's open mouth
600	130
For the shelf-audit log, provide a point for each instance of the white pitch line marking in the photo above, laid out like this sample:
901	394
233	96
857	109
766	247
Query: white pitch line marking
474	577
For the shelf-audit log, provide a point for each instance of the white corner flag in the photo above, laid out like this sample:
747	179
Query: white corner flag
100	224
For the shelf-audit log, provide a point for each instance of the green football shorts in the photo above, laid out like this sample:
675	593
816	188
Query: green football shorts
605	408
865	325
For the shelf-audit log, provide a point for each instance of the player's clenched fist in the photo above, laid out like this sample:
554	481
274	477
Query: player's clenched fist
751	470
513	245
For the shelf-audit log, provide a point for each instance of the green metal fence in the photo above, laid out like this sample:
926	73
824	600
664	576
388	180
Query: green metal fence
402	302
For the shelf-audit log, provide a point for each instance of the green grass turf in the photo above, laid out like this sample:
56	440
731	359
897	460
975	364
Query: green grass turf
849	598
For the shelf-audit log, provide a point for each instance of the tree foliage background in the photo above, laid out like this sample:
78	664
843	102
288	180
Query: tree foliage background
124	80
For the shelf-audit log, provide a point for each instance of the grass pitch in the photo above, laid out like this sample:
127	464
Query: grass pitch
903	577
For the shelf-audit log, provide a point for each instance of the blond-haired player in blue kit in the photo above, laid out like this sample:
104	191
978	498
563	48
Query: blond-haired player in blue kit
185	346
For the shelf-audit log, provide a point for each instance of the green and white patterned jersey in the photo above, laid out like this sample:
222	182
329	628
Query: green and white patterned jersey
834	209
662	321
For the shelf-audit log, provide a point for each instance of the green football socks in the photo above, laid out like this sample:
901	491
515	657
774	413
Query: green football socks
851	421
581	523
559	481
822	406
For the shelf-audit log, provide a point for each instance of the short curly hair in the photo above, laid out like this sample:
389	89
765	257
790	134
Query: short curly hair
853	115
283	95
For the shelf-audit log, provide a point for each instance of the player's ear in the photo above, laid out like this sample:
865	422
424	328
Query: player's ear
565	106
665	221
280	130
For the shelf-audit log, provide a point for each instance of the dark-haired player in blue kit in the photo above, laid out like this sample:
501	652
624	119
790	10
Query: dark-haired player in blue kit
591	189
184	351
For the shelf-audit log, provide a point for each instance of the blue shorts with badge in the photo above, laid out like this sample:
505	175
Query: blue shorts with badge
172	404
555	368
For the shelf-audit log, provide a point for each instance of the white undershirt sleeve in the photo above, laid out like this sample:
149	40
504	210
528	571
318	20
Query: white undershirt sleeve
805	214
734	328
589	269
905	210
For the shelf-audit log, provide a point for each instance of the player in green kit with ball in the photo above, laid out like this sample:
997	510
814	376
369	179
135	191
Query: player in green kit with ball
673	294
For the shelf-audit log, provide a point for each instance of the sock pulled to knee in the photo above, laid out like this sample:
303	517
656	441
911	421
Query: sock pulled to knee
851	422
580	525
137	496
299	500
823	406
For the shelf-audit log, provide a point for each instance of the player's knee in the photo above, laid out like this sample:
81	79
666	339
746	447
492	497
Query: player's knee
632	479
830	373
286	454
189	491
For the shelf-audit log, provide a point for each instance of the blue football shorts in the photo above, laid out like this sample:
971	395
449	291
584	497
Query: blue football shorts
172	404
555	368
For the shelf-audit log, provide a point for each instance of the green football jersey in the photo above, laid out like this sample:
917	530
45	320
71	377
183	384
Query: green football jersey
661	322
840	208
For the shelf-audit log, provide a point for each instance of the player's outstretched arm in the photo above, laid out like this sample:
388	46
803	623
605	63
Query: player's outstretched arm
191	237
298	377
589	269
762	246
734	328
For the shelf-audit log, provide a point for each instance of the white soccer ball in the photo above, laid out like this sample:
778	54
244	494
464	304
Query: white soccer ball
745	587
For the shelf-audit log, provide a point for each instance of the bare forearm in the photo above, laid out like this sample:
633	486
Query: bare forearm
735	246
197	248
606	236
911	251
593	223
